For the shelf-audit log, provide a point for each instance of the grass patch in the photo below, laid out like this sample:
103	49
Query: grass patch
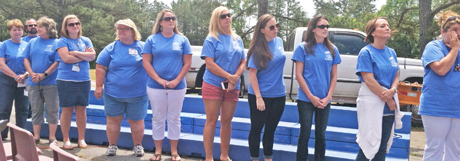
92	74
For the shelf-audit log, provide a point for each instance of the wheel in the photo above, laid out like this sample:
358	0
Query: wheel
416	119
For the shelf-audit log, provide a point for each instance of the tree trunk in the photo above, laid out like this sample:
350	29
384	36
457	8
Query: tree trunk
262	7
425	23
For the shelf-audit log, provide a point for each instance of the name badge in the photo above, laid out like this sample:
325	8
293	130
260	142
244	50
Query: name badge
132	52
76	68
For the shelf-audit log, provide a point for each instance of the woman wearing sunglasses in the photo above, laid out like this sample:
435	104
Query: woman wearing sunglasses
316	60
167	59
119	69
223	52
40	62
73	80
439	102
377	103
12	73
267	91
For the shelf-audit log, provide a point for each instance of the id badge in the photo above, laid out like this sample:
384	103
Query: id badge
76	68
133	52
26	93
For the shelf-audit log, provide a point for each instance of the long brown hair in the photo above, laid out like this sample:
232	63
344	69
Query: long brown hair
259	45
310	40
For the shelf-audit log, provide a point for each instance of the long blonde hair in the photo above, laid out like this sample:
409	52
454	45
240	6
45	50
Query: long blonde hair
214	25
64	32
156	26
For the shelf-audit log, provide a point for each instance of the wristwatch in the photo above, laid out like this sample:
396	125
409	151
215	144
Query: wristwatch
45	74
396	90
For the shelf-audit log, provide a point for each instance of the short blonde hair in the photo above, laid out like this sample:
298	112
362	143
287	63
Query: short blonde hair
128	22
15	22
214	25
49	25
442	20
156	26
64	32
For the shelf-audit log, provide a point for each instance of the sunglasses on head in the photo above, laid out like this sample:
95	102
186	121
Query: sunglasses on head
33	25
323	26
451	18
272	27
74	24
168	19
224	16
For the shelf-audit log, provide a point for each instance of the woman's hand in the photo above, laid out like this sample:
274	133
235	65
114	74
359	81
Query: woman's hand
233	79
454	42
98	92
325	101
387	94
162	82
391	104
172	84
231	87
35	77
317	102
260	103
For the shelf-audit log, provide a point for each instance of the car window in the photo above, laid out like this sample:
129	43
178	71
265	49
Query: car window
290	44
348	44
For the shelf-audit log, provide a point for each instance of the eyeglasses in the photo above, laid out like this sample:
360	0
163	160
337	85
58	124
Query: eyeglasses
224	16
124	29
451	18
168	19
323	26
272	27
73	24
33	25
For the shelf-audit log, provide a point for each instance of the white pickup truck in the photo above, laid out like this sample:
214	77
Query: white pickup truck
349	43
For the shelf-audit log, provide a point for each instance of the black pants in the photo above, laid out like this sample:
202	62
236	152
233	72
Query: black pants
269	118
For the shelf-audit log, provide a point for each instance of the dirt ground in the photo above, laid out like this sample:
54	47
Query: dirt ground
417	144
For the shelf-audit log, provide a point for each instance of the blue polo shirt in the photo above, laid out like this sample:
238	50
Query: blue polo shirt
65	70
28	38
316	70
227	53
41	56
126	76
13	54
270	79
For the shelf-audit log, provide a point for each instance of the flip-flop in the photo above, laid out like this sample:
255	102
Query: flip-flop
69	146
156	156
82	144
175	157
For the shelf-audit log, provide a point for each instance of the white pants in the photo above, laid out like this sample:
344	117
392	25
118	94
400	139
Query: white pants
166	104
442	138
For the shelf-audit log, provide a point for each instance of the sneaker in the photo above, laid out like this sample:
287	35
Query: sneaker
138	151
112	150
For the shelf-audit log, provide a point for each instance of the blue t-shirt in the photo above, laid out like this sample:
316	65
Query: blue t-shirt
270	79
167	57
28	38
65	70
13	54
440	94
383	63
41	56
227	53
126	76
316	69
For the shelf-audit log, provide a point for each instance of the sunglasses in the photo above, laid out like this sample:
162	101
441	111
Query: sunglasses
124	29
224	16
323	26
168	19
33	25
73	24
272	27
451	18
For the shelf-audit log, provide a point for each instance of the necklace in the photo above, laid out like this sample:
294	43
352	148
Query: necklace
76	46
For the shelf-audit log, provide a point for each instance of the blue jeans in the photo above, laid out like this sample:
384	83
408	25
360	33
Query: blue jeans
9	92
306	110
387	124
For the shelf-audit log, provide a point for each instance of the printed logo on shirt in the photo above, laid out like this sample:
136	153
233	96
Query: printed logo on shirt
133	52
48	48
393	62
328	55
236	45
176	46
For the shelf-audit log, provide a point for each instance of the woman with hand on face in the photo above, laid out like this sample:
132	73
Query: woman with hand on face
316	60
119	69
73	80
12	76
40	62
439	102
377	103
267	91
167	59
223	52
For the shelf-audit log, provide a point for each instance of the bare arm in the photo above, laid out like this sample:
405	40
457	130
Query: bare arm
303	85
101	72
375	87
332	85
445	64
49	71
88	55
232	81
147	63
6	70
66	57
187	62
255	87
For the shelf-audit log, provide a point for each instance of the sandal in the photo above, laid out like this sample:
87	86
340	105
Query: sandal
67	146
155	156
51	141
82	144
37	141
175	157
228	159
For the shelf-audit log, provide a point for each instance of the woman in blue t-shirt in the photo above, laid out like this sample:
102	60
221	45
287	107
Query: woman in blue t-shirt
73	81
223	52
267	92
167	59
41	64
377	103
119	69
316	60
439	102
12	76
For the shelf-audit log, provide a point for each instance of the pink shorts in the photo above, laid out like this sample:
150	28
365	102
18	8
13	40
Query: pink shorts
209	91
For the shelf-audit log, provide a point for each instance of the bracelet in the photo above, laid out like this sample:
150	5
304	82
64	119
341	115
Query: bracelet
396	90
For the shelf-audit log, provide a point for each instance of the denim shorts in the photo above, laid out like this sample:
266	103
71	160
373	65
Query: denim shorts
73	94
135	108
